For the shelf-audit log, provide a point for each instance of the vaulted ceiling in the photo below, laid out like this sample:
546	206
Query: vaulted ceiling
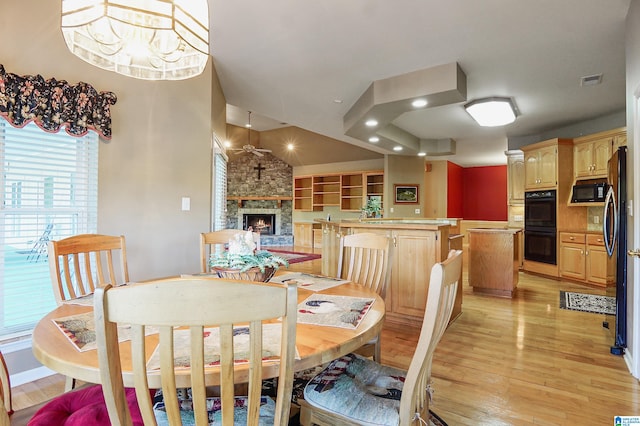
307	64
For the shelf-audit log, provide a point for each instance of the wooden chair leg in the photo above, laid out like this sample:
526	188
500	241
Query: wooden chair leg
69	384
377	357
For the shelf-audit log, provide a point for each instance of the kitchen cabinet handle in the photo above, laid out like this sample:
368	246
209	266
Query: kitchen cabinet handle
635	252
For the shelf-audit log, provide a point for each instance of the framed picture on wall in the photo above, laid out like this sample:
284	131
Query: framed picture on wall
406	193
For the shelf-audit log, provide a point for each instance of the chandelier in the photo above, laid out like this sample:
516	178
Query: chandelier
145	39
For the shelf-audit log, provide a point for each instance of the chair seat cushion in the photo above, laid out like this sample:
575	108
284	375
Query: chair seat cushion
82	407
267	410
358	388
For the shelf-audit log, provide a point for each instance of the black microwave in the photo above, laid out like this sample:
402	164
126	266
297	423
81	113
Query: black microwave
589	193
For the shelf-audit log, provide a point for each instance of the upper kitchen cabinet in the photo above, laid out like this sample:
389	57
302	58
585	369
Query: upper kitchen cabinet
619	140
542	161
590	155
515	178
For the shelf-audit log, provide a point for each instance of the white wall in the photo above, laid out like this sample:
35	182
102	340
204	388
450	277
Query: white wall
633	92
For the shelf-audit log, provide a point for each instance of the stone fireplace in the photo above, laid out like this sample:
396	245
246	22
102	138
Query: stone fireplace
260	188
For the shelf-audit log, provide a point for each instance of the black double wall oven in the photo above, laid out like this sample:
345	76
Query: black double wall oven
540	226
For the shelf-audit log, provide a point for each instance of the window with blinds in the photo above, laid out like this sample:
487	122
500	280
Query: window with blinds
219	187
49	184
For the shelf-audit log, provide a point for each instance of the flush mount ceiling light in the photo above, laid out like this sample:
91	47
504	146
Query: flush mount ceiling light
145	39
374	139
371	123
491	112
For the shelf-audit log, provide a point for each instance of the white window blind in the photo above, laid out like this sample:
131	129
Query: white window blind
49	189
219	187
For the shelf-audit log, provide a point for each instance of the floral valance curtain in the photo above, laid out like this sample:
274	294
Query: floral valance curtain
52	104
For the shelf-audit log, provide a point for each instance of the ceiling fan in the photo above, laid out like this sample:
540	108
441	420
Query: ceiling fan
248	147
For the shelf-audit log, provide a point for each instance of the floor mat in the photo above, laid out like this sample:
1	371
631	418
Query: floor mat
588	303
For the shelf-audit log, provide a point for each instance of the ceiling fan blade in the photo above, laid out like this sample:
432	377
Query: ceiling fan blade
259	154
262	150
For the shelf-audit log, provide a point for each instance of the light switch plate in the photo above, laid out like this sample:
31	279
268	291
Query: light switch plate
417	211
186	204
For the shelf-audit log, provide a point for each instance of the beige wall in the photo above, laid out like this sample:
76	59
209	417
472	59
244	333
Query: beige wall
401	169
436	187
160	150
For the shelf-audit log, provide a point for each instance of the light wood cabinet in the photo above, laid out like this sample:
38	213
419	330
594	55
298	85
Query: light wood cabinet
375	186
600	268
590	157
583	257
416	248
349	191
494	261
541	168
303	193
303	234
515	179
407	287
326	191
572	255
331	234
619	140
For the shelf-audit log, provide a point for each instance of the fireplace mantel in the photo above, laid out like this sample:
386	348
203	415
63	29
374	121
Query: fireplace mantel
241	199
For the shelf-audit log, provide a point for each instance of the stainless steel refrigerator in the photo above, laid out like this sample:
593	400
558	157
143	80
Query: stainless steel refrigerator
615	237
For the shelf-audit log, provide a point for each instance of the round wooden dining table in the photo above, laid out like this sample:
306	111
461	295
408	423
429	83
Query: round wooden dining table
316	344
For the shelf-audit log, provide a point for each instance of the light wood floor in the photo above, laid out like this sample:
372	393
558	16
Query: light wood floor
502	362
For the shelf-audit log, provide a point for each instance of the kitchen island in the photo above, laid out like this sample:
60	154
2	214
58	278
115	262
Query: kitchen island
494	260
416	245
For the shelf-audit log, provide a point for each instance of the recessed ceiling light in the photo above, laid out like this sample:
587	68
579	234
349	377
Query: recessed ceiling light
374	139
247	125
371	123
419	103
422	154
337	101
290	146
227	144
397	148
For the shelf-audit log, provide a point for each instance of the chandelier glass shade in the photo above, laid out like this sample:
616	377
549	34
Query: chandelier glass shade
145	39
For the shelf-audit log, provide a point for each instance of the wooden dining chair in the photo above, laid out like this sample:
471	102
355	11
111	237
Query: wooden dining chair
5	393
379	394
216	241
365	258
81	263
196	304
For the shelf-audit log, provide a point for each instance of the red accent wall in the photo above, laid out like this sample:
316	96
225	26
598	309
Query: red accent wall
455	189
484	193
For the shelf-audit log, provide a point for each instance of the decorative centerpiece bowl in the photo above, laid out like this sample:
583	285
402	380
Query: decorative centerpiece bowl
243	262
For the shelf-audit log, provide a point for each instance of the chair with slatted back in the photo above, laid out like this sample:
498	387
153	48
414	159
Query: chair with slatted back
379	394
195	304
215	242
365	258
81	263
